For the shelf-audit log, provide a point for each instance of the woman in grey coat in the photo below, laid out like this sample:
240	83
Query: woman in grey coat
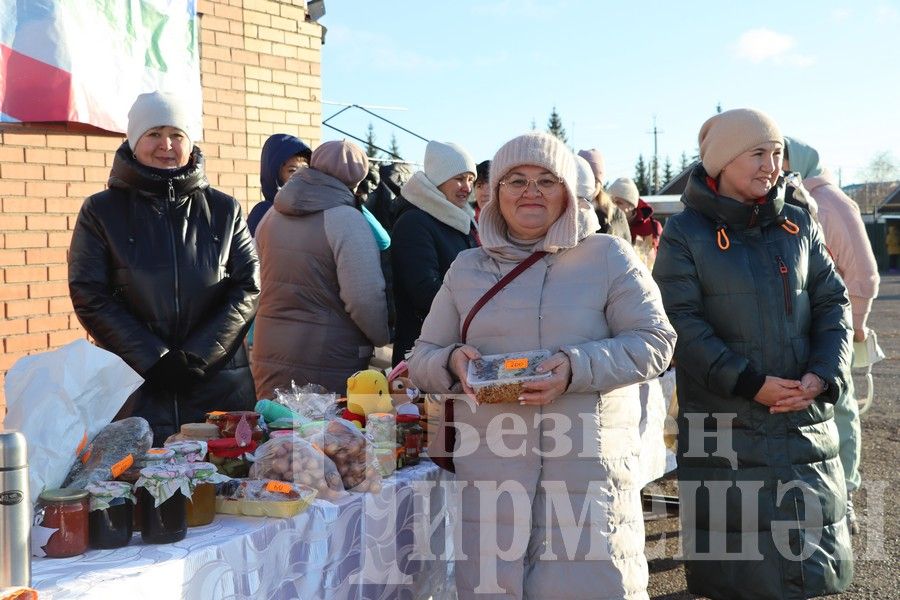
322	309
550	504
763	354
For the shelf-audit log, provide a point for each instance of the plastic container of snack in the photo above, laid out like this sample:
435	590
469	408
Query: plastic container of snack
255	498
499	378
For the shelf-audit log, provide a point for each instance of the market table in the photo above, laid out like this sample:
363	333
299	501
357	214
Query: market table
361	546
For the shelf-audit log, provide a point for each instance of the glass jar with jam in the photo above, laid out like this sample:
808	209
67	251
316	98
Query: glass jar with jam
188	451
229	457
195	431
228	422
154	456
201	506
66	511
162	491
110	523
409	437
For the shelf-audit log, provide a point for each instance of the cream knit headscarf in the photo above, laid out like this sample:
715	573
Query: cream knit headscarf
540	150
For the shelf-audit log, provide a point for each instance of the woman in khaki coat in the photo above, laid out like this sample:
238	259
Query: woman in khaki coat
550	503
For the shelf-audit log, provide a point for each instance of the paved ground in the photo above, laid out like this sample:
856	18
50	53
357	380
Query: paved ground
877	548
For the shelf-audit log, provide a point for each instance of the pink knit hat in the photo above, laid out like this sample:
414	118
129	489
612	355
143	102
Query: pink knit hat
595	159
343	160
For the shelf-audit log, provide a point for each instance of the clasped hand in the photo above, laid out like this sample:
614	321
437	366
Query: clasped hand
789	395
536	393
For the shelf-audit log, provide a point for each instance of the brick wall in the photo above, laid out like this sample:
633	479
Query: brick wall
260	74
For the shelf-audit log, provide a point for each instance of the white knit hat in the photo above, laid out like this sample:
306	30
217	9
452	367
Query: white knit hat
444	161
158	109
587	185
624	188
725	136
541	150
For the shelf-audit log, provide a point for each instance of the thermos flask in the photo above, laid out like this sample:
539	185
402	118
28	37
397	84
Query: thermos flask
15	512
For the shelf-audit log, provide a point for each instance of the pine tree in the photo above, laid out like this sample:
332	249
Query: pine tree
685	162
533	125
371	150
641	177
555	126
394	149
667	172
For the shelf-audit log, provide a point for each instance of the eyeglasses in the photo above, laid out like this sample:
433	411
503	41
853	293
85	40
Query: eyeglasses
545	184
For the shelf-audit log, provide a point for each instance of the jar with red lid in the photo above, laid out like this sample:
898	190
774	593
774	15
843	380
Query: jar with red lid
66	511
228	422
230	457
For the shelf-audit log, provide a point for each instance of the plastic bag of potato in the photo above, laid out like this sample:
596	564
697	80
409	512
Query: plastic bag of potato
292	458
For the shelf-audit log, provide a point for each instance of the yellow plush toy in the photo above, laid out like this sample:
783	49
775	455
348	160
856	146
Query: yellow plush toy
367	393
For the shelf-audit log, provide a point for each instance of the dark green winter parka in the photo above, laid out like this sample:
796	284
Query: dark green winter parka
752	288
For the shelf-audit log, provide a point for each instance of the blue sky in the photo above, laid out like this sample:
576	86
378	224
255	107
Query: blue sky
480	72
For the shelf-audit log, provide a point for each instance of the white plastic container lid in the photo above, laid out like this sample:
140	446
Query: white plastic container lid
503	369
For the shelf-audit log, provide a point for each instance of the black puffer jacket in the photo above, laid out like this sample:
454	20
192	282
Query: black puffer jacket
744	293
161	261
421	252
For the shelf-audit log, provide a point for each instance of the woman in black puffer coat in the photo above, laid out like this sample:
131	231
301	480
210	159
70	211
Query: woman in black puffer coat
764	346
163	273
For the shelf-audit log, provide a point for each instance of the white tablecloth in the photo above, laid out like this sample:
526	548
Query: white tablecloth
363	546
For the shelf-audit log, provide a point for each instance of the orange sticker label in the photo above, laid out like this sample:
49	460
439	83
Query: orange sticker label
279	486
156	451
121	466
515	363
87	455
81	444
215	413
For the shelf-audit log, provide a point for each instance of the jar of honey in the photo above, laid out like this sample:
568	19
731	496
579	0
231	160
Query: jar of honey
201	506
66	511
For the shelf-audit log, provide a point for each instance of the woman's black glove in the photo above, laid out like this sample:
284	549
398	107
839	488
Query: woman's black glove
173	371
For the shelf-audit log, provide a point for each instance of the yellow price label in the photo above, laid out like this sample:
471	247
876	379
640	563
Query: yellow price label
515	363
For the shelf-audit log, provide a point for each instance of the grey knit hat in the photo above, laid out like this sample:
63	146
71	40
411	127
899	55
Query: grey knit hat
158	109
444	161
624	188
727	135
343	160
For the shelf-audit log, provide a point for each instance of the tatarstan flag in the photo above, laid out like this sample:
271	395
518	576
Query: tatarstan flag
86	61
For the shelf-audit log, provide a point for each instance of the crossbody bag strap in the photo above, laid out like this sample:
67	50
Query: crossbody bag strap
535	256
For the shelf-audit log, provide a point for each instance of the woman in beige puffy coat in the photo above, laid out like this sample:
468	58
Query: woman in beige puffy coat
550	504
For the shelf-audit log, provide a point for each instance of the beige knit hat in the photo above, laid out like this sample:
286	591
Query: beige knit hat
624	188
727	135
541	150
343	160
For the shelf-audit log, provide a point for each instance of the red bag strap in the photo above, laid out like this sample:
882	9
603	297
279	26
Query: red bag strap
535	256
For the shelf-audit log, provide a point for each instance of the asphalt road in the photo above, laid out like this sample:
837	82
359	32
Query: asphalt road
877	547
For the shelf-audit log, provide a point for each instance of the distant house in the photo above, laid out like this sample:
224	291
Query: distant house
891	206
677	184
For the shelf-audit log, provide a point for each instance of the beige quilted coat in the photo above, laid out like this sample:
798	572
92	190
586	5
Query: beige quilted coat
571	526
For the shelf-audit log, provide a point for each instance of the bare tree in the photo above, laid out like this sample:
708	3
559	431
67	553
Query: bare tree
880	179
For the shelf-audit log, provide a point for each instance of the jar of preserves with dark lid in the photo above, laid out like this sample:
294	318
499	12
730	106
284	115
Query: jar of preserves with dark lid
66	511
161	491
112	513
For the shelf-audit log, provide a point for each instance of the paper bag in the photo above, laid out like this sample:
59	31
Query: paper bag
60	400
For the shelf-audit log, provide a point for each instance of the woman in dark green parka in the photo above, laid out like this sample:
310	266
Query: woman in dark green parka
763	337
